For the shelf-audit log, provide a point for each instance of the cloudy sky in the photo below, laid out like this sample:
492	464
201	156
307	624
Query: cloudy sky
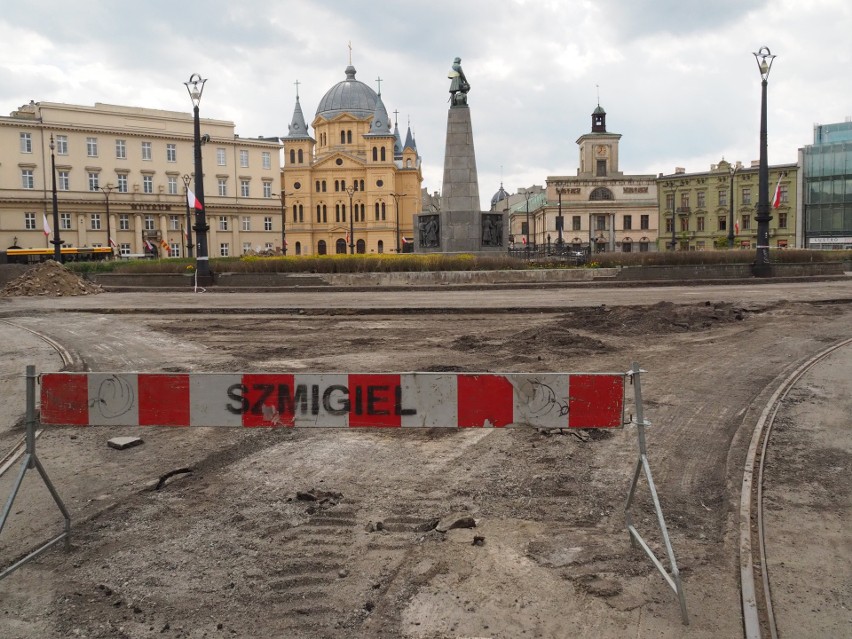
677	77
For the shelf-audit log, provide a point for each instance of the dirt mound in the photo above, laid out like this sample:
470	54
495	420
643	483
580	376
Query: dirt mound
663	317
50	279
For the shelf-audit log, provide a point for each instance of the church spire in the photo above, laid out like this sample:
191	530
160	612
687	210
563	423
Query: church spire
298	129
381	122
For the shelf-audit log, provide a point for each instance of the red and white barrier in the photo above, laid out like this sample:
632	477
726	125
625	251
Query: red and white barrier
347	400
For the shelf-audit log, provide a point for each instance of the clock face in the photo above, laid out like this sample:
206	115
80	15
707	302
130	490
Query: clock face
601	149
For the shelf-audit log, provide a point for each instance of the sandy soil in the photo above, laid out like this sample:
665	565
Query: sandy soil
325	533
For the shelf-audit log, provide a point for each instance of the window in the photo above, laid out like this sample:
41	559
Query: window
244	158
26	142
668	225
246	247
699	223
684	201
244	188
94	181
377	210
96	221
124	249
669	201
223	223
383	210
146	151
246	223
746	196
784	194
147	183
220	157
684	224
628	222
644	220
746	222
323	186
266	160
601	168
267	223
601	193
600	223
382	153
643	247
723	197
92	147
782	220
575	223
223	187
301	156
65	221
62	145
174	249
174	222
701	200
123	222
268	246
171	153
29	221
27	179
375	154
122	183
63	182
292	156
337	212
267	188
172	184
121	149
224	249
149	222
722	223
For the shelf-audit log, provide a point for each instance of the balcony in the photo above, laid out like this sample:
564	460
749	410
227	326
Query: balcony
683	210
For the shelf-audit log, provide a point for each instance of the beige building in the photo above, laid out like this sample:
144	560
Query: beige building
600	208
132	161
707	206
354	185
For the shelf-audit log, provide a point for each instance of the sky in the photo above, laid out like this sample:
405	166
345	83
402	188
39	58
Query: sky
677	78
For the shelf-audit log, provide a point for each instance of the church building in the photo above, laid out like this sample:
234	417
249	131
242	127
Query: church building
353	185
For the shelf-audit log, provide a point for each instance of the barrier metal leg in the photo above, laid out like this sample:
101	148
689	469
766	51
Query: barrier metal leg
31	460
642	466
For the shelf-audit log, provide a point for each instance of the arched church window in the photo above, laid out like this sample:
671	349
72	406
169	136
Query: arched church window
601	193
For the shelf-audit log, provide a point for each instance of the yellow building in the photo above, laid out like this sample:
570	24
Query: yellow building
354	185
120	170
718	208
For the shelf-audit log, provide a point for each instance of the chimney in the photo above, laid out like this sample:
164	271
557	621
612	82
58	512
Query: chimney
679	170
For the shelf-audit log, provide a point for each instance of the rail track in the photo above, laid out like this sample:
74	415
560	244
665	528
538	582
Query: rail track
755	586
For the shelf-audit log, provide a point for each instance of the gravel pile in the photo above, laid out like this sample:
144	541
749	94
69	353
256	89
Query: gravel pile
50	279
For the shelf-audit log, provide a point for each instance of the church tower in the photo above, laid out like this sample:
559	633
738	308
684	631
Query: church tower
599	149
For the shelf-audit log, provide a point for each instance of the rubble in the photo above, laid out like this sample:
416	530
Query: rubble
50	279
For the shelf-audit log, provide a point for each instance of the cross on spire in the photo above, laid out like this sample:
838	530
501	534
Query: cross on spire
379	80
395	117
350	53
297	83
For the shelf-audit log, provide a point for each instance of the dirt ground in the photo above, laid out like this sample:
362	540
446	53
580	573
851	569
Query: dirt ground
331	534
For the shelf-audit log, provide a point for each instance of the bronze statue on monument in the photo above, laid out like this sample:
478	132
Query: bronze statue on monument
459	85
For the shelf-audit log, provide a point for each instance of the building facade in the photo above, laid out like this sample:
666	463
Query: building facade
599	209
826	187
121	171
718	208
354	185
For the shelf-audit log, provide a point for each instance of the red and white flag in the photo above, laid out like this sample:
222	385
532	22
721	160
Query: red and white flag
112	243
46	225
524	239
149	246
737	227
404	240
776	199
194	202
347	238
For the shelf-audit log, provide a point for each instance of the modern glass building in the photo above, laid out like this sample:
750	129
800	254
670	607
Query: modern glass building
826	187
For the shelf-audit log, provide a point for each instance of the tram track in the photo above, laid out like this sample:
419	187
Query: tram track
755	586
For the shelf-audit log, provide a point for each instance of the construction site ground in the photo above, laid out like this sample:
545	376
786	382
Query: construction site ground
315	533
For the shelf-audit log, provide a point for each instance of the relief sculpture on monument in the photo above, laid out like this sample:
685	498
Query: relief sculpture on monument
430	231
492	230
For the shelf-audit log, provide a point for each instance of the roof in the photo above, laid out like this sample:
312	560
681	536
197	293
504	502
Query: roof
348	96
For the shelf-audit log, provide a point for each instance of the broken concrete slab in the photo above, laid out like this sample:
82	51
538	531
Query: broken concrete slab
120	443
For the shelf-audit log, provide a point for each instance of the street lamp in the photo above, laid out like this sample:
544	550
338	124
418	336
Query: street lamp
761	265
559	222
284	223
674	204
195	87
186	180
57	243
350	190
396	197
731	212
527	196
107	190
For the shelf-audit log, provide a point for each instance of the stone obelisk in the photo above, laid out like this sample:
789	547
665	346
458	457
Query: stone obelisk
460	225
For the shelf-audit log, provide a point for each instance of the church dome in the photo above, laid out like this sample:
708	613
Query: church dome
499	196
349	96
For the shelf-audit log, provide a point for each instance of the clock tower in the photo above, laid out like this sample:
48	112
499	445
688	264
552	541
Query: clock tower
599	149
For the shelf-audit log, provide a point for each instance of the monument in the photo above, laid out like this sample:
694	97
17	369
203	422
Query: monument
460	226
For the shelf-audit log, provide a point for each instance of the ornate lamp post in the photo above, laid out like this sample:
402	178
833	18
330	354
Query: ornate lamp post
107	190
396	197
761	265
195	87
527	196
731	211
283	223
186	180
350	190
56	241
559	222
